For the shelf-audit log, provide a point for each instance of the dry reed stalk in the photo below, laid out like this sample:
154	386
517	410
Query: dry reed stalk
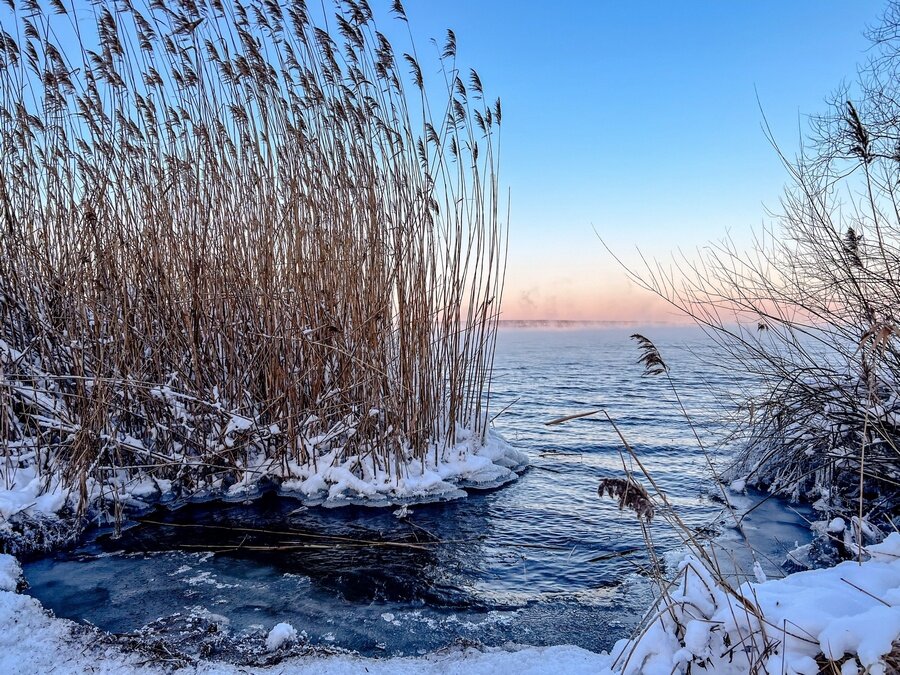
230	230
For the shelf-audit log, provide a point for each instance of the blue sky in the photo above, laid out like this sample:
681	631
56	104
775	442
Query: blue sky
640	119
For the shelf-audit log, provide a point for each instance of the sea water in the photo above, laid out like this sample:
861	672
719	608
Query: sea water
542	561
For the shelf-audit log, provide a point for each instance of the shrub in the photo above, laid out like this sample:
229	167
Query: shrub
811	310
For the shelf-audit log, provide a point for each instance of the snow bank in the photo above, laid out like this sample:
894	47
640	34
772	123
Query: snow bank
444	475
850	614
331	480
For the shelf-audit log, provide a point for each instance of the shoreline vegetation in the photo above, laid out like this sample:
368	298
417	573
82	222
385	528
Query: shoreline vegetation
240	245
242	250
829	616
811	312
840	619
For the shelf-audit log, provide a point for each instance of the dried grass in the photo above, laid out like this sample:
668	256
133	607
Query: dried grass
227	229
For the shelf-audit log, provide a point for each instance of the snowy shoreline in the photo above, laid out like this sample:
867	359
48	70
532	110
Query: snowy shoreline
470	464
33	641
848	614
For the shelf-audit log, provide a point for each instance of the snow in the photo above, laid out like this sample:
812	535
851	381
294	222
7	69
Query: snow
850	611
10	573
280	635
738	485
443	476
758	572
21	490
886	551
472	463
836	526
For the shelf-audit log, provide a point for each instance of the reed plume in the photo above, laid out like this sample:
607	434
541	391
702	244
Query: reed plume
630	494
650	357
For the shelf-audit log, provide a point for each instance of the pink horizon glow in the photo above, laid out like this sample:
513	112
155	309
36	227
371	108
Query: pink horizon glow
585	300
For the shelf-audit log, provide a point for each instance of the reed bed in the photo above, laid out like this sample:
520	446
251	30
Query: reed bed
237	238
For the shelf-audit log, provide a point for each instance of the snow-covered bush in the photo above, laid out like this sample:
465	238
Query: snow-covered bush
811	312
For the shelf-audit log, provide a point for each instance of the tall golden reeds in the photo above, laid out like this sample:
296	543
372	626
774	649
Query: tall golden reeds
229	231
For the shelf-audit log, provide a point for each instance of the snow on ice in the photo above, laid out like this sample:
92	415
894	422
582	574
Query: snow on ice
280	635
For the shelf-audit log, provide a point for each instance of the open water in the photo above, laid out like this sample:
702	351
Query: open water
541	561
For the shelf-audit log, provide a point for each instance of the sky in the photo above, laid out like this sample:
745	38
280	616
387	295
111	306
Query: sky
641	122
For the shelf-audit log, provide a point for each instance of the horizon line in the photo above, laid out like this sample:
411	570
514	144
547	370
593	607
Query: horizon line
591	322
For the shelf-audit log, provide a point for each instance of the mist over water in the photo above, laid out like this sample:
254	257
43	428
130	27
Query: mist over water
542	561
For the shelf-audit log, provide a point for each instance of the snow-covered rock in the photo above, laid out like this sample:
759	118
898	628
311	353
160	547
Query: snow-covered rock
280	635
